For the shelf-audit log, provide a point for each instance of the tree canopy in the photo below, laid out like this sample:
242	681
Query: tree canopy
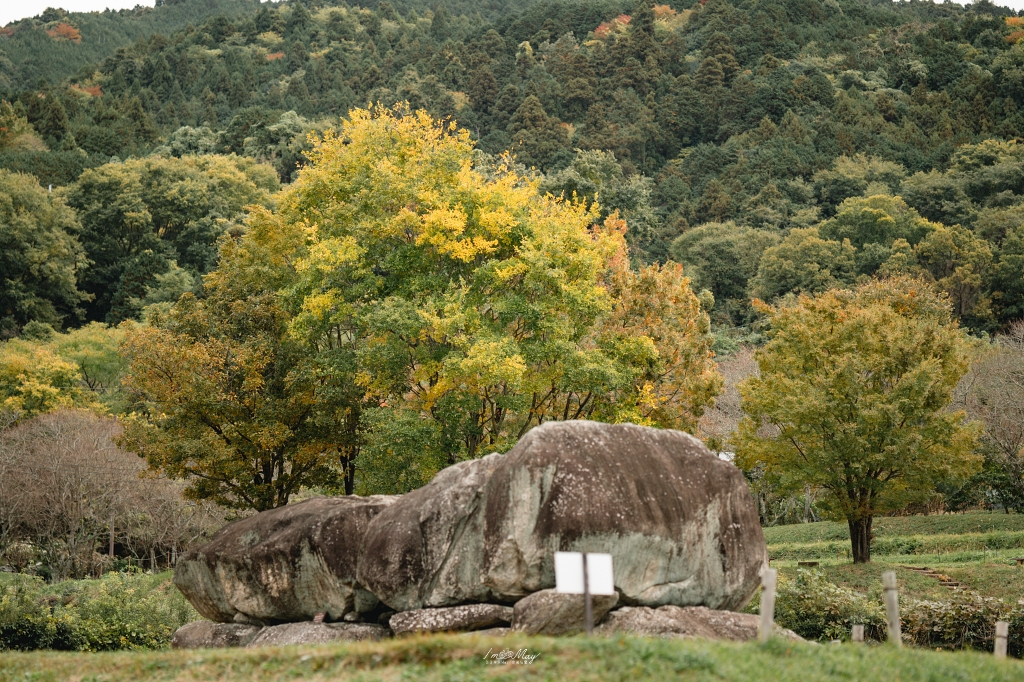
853	397
40	257
399	284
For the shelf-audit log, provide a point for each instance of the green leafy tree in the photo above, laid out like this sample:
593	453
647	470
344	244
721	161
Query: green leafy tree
400	289
596	177
34	379
804	263
878	219
140	215
40	256
228	398
539	139
961	265
852	398
722	258
472	300
95	350
859	175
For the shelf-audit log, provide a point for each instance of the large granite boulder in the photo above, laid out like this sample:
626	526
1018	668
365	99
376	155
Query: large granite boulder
205	634
680	523
551	613
283	565
427	551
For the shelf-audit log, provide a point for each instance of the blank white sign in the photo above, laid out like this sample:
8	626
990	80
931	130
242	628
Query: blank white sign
569	573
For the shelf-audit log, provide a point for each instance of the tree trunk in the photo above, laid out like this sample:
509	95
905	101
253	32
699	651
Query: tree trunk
860	539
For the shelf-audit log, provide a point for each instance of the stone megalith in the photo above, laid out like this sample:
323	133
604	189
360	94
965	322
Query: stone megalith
680	523
283	565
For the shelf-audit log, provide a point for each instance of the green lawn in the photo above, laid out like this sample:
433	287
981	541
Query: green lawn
455	658
887	527
976	549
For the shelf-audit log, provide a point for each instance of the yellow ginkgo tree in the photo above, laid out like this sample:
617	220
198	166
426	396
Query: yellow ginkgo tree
445	306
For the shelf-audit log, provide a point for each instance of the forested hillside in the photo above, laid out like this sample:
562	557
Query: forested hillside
722	131
57	44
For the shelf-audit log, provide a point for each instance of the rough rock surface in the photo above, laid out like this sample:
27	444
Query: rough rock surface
490	632
691	621
679	522
283	565
205	634
426	551
550	613
451	619
316	633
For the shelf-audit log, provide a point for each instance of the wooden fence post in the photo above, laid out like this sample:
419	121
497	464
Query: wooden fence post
892	607
857	634
1002	635
768	580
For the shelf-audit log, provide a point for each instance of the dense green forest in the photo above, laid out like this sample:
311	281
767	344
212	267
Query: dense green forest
729	134
78	40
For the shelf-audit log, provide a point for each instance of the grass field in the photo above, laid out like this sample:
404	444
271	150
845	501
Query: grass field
457	658
976	549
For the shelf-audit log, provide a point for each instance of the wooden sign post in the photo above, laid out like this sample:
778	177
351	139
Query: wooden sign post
892	607
768	581
588	606
1002	635
587	574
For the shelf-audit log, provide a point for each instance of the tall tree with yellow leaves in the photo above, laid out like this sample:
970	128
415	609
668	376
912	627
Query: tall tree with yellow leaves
417	310
852	397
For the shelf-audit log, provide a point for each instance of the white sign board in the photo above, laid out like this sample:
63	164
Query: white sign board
569	573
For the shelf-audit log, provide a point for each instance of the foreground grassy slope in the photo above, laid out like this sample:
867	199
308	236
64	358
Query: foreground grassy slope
460	657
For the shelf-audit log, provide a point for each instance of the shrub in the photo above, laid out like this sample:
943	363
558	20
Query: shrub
27	618
63	481
816	609
118	611
966	621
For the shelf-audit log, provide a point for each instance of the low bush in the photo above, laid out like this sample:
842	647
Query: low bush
966	621
817	609
118	611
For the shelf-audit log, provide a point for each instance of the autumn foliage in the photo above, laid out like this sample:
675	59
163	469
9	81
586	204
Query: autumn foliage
404	310
64	31
616	25
852	398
